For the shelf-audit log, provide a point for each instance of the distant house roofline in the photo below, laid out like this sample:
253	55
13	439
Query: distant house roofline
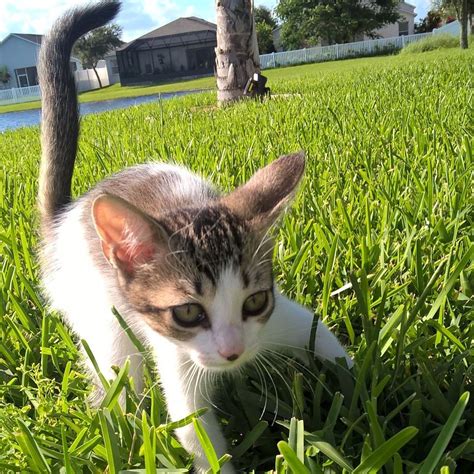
180	27
30	38
33	39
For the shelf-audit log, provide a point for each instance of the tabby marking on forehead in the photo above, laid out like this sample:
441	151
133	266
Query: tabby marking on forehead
211	237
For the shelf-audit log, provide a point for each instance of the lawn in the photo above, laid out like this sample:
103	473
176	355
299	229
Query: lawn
116	91
386	205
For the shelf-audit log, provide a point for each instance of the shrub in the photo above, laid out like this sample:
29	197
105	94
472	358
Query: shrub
431	43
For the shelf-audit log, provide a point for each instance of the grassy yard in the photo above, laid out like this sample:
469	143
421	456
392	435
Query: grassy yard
308	71
386	205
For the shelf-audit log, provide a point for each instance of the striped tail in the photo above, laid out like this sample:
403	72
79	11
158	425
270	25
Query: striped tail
60	115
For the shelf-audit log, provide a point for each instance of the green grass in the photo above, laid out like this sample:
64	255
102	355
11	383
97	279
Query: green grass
386	204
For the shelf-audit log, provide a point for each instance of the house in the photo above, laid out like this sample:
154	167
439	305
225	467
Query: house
19	56
404	26
110	62
183	48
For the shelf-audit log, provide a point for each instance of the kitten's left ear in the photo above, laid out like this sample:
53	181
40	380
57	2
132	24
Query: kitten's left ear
263	198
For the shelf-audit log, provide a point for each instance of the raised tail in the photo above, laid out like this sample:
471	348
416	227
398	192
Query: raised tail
60	115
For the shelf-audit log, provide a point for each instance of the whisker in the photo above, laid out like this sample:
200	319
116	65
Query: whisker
285	359
265	238
274	387
273	366
263	384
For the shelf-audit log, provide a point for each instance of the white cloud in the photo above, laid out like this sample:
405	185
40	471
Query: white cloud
30	16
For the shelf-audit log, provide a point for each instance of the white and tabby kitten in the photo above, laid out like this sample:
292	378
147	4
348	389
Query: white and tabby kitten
189	269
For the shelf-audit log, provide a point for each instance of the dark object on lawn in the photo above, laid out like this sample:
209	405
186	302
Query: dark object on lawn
255	87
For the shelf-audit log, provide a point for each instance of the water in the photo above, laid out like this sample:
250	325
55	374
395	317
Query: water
28	118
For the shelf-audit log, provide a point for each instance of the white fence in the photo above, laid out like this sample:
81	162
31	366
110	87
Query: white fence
86	80
22	94
337	51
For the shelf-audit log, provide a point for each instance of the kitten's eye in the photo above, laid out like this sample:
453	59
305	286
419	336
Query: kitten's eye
189	315
255	304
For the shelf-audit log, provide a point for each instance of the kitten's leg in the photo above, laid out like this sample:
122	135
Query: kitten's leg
185	393
110	346
289	330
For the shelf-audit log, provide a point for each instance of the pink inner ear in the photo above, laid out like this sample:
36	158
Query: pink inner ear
126	234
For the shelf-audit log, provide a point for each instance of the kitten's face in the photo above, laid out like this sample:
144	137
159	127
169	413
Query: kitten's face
213	291
202	277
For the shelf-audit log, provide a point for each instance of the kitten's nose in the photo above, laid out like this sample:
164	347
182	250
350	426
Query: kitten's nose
230	343
231	354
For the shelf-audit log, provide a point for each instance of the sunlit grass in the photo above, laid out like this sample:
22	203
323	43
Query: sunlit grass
116	91
386	205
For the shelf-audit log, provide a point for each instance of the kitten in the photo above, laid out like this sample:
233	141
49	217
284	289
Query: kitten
188	268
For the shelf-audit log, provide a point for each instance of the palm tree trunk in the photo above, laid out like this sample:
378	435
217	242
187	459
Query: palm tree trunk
237	57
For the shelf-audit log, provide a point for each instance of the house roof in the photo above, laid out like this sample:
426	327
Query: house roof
181	26
181	31
29	37
35	39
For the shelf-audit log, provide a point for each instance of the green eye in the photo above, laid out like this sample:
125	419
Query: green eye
255	304
189	315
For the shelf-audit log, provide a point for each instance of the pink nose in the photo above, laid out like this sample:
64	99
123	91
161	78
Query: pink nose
230	342
232	353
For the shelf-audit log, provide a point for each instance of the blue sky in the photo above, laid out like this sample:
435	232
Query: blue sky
137	16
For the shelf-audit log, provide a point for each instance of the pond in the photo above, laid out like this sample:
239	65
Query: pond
27	118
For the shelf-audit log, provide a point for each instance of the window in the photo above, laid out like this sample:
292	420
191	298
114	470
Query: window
73	66
148	69
402	28
26	76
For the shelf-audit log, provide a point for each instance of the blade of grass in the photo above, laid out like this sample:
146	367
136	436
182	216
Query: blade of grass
430	462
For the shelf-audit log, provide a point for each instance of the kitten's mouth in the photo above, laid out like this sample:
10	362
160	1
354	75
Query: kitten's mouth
224	365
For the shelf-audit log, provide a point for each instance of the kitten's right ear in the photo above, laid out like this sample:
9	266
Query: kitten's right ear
128	236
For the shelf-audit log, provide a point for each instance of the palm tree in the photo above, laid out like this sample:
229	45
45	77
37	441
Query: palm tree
237	57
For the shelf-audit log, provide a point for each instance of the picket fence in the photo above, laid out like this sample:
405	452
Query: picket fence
338	51
22	94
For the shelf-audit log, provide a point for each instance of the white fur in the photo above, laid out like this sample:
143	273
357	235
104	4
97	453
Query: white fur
77	288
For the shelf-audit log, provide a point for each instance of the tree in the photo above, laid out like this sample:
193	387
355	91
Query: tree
310	22
265	23
432	20
463	10
265	38
91	48
262	14
237	57
4	75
